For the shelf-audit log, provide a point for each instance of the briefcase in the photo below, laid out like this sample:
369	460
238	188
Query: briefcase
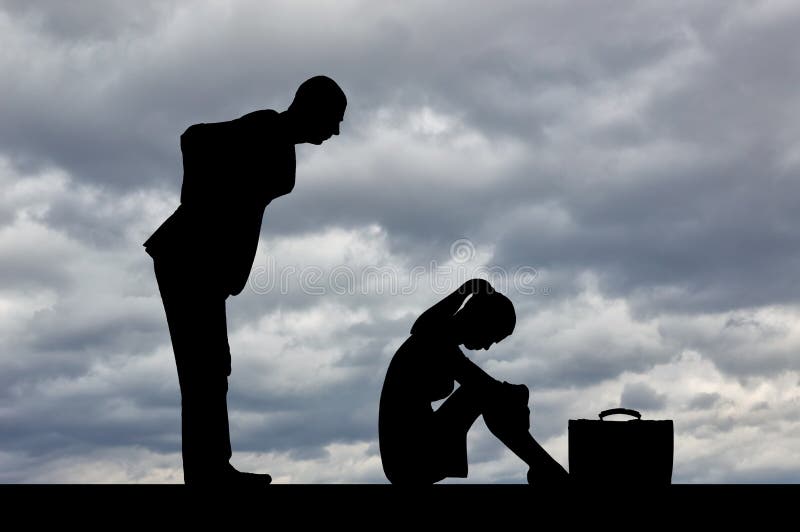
632	452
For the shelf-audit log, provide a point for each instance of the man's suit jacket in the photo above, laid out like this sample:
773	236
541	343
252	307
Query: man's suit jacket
231	172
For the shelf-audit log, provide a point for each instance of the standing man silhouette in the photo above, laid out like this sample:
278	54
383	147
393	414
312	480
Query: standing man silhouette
204	251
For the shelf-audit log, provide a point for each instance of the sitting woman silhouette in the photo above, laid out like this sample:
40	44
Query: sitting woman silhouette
421	446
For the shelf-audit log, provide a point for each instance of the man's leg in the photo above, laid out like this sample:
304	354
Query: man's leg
198	329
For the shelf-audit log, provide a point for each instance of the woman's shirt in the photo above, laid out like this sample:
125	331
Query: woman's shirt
422	371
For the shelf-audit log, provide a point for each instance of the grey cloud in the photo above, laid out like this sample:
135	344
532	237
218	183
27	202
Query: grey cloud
156	82
570	347
746	345
101	222
642	397
53	422
772	475
89	20
639	234
703	401
305	424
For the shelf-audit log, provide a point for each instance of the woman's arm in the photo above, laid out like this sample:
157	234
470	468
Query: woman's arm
468	373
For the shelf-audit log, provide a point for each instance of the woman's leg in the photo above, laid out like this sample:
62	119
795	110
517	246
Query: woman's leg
508	417
452	422
505	410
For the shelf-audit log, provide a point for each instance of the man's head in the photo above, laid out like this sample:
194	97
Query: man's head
485	319
317	109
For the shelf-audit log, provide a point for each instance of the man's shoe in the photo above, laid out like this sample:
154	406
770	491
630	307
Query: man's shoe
230	477
247	480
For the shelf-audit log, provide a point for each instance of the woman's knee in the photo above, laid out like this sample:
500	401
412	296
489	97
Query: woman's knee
507	409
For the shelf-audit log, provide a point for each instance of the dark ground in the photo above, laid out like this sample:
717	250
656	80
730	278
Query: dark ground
378	507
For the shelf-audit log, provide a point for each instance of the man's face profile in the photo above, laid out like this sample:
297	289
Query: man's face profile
326	126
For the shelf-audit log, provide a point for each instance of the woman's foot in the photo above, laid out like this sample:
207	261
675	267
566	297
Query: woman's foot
548	475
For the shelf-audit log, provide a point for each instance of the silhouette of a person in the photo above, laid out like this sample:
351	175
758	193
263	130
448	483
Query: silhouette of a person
421	446
204	251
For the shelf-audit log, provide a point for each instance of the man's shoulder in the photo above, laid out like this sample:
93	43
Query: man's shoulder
243	132
263	124
261	117
264	114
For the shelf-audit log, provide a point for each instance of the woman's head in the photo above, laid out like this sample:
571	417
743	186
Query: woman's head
485	319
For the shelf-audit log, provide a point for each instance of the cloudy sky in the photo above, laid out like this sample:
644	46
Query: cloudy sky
628	173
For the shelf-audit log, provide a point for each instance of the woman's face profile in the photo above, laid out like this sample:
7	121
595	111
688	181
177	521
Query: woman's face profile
480	325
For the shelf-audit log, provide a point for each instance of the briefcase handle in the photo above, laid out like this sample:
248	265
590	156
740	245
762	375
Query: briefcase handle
626	411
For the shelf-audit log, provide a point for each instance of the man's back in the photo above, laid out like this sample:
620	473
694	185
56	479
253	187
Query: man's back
232	171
